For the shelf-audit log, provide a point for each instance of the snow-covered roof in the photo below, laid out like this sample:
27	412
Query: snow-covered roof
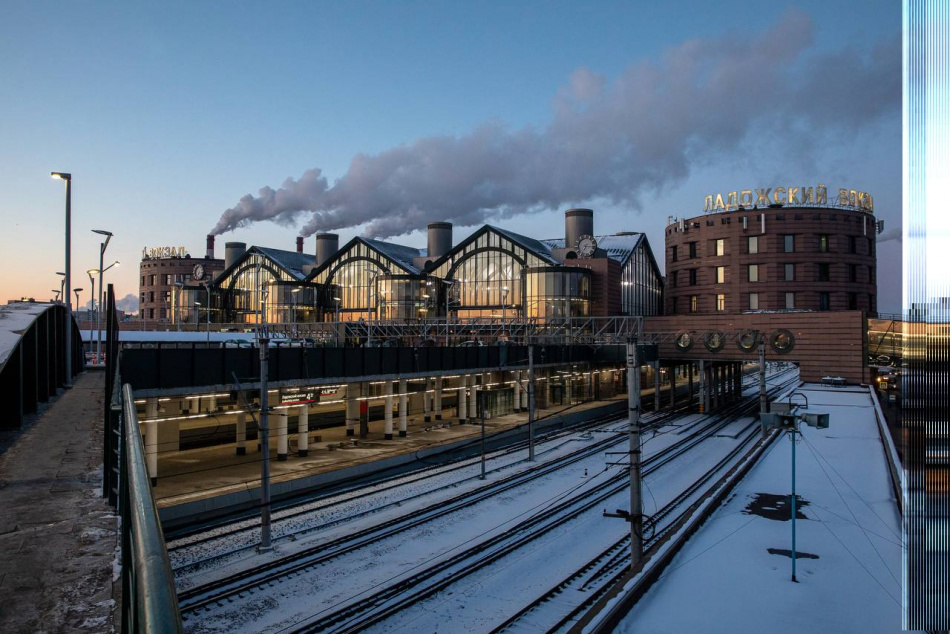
397	252
619	246
538	247
14	320
291	261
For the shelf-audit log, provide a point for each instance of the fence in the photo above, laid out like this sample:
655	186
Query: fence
149	601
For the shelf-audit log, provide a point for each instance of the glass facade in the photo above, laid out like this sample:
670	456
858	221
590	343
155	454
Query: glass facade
405	297
351	287
242	292
485	278
641	287
556	292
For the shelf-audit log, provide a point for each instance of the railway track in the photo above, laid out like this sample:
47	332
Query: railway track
442	575
292	524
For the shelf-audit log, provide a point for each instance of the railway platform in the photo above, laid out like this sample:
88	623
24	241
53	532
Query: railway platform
58	535
199	474
848	537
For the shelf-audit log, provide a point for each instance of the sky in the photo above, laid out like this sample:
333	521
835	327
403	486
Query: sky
377	117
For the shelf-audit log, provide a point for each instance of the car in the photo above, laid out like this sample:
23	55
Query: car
472	343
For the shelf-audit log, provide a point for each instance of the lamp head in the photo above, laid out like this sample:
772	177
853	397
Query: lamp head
102	232
63	176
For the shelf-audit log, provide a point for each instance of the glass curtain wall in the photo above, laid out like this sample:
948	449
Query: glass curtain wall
558	292
290	303
404	297
351	287
243	289
641	287
486	278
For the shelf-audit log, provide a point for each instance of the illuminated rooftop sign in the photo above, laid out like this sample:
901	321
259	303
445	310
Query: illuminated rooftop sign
800	196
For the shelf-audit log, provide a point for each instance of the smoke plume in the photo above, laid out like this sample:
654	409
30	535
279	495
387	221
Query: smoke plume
612	141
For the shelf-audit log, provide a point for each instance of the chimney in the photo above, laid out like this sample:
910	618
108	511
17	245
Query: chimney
440	239
233	252
327	245
209	253
299	244
577	223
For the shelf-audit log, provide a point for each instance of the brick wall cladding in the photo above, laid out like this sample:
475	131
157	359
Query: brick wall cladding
806	224
826	343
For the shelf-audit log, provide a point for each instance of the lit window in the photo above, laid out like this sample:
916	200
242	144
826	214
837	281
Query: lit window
753	272
753	244
720	302
753	301
789	300
721	246
822	243
720	275
694	303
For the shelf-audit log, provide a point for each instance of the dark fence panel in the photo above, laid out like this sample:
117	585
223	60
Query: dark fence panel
166	367
36	365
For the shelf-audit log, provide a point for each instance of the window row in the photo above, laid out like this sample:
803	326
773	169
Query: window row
787	301
789	272
789	243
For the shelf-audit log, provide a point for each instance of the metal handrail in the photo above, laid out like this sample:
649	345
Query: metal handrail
152	603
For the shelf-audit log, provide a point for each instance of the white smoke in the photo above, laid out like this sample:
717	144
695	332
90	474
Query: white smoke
613	141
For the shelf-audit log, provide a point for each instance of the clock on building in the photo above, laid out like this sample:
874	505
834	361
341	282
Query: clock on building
198	272
586	246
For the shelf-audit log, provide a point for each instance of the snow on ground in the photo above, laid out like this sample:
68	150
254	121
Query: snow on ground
726	580
492	594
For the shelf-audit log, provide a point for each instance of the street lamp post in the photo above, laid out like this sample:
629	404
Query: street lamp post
102	252
208	315
369	308
197	307
65	176
62	285
176	304
92	293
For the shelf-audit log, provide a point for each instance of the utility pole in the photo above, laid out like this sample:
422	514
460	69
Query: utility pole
265	450
633	406
481	405
530	403
763	397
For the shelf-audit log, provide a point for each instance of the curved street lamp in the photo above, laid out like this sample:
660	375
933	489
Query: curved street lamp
102	252
66	176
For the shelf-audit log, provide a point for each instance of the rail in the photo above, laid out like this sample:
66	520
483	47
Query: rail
149	601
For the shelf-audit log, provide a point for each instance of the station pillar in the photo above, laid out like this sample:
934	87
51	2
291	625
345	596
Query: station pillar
437	398
426	401
352	408
151	438
280	420
463	399
240	434
388	409
303	430
472	399
516	393
403	406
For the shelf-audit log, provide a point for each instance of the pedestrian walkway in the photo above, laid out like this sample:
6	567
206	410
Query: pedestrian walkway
58	536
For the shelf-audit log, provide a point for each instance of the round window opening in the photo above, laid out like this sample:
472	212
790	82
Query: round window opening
748	340
715	341
782	341
683	341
